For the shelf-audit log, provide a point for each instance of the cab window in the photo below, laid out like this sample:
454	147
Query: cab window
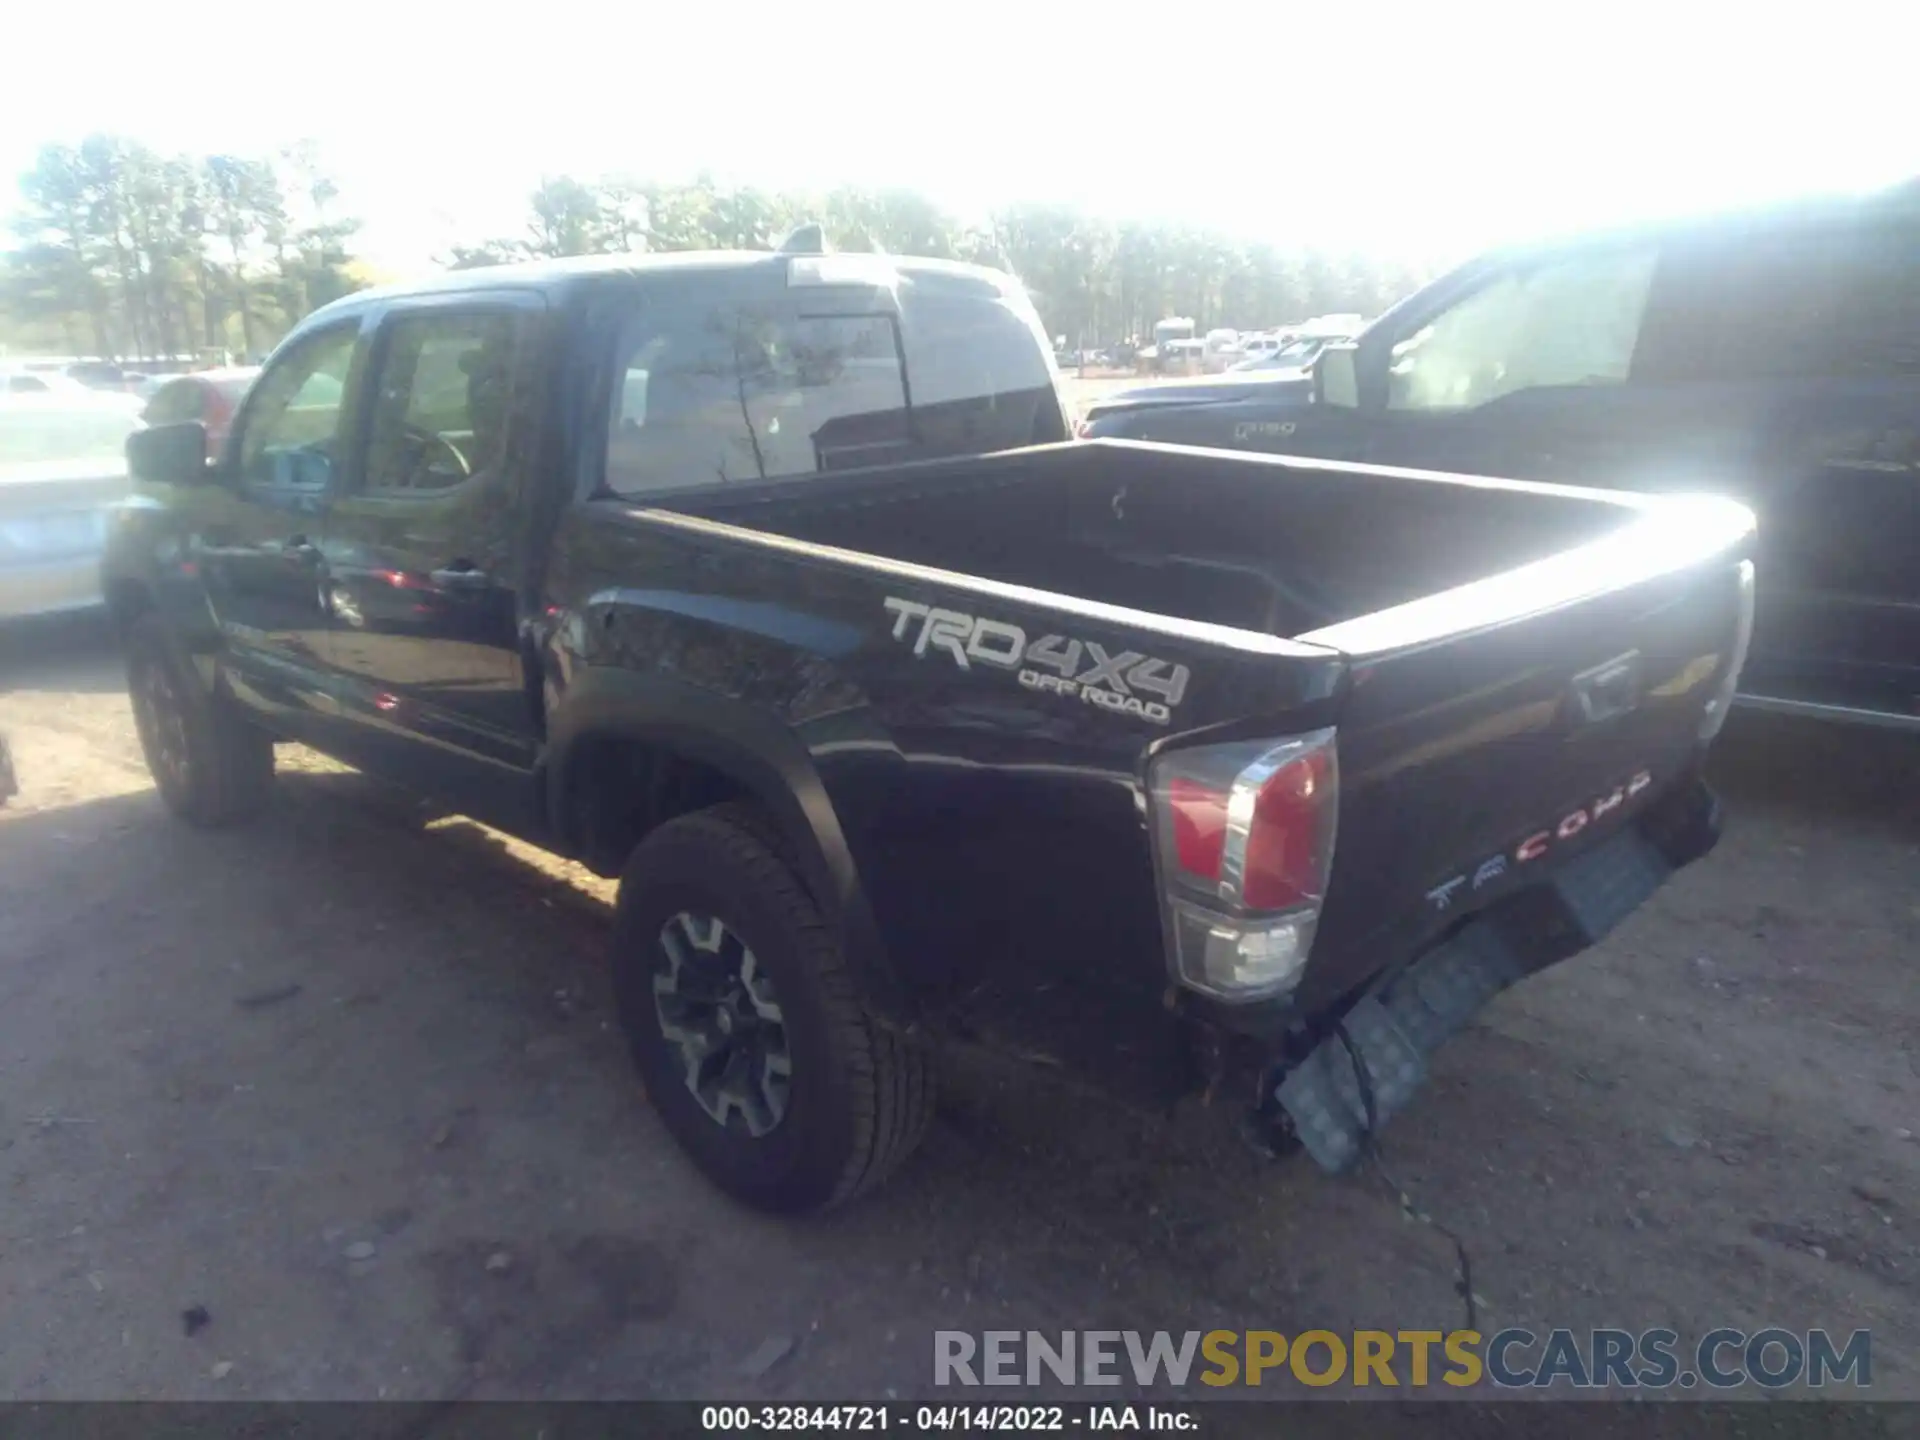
1568	321
440	401
955	366
288	438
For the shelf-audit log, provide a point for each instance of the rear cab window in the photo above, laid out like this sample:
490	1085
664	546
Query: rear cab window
818	376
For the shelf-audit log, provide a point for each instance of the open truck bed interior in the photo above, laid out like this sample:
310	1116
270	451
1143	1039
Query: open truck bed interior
1254	543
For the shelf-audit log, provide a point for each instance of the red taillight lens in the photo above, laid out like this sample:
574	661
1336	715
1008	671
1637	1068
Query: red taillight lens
1243	837
1199	826
1283	868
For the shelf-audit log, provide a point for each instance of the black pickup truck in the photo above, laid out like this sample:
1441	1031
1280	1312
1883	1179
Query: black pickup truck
1772	355
1177	769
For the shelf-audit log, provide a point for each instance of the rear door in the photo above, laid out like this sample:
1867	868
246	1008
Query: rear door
1807	393
1776	361
422	583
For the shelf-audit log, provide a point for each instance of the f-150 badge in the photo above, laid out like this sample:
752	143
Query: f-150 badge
1127	682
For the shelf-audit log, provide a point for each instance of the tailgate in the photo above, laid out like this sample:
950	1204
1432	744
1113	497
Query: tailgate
1499	731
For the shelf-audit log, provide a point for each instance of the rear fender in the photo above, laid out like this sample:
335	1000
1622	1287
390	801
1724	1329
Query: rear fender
756	752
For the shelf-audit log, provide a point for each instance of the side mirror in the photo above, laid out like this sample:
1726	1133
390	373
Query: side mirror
169	454
1336	377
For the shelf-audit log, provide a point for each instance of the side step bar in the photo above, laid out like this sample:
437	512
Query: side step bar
1824	710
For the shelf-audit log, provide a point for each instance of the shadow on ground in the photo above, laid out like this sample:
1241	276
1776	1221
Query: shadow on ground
72	653
349	1079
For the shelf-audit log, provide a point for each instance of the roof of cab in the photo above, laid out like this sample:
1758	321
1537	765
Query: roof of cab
566	273
555	274
1895	203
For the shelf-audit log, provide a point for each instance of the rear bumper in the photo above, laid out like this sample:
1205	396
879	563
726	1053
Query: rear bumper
1393	1029
49	587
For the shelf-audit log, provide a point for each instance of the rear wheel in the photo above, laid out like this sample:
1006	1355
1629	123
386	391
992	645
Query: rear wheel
746	1024
211	767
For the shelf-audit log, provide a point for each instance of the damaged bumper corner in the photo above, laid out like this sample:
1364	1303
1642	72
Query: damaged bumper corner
1401	1022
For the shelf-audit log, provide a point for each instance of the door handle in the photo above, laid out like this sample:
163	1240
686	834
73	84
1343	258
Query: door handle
459	577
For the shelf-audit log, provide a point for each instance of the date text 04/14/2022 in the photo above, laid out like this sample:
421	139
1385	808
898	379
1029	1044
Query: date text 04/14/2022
760	1419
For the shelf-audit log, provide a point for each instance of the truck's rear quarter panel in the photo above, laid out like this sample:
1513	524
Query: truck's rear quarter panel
997	829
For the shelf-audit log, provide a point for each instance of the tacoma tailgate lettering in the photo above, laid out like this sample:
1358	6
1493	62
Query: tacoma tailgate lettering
1540	843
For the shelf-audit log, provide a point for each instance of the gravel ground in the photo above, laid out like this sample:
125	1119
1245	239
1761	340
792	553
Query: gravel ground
347	1081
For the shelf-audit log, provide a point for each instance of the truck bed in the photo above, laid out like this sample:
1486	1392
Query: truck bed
1466	637
1249	542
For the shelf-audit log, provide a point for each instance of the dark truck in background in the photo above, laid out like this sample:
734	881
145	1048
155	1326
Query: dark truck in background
1173	768
1772	355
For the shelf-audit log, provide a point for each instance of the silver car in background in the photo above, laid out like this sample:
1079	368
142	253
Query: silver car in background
62	468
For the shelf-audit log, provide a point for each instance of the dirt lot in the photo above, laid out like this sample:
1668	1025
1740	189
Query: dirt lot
232	1063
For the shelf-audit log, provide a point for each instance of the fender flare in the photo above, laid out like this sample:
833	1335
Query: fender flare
762	756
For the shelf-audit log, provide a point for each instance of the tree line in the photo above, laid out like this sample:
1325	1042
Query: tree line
121	251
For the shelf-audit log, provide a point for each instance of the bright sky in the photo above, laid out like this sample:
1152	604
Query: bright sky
1424	129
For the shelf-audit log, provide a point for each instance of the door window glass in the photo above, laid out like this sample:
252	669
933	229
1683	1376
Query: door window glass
1571	321
441	402
289	435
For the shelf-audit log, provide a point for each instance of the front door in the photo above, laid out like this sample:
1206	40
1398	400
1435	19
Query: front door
421	562
257	532
1491	384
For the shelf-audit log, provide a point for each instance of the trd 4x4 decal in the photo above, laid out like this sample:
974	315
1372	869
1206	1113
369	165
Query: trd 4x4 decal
1129	682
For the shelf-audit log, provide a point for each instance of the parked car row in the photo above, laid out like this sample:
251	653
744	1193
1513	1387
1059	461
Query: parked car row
63	470
141	377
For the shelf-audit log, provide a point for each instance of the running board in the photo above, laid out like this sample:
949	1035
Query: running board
1822	710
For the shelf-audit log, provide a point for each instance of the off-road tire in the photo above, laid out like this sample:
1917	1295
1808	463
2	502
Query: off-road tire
228	772
861	1094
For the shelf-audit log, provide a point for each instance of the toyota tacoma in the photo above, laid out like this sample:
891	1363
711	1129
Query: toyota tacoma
774	585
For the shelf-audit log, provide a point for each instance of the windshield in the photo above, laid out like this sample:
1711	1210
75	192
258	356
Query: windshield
47	435
1293	356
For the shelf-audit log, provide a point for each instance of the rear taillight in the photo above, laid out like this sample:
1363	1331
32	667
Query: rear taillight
1083	428
1243	839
